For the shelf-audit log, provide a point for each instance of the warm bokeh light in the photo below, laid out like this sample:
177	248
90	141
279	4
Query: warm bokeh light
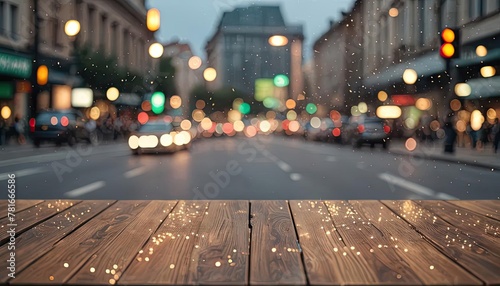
186	124
410	76
156	50
393	12
336	132
476	120
447	50
278	41
389	111
488	71
234	115
198	115
153	19
175	101
410	144
95	113
448	35
291	115
491	113
200	104
461	126
435	125
206	123
382	95
423	103
335	115
54	120
64	121
315	122
209	74
265	126
143	117
270	114
6	112
481	51
227	128
148	141
455	104
294	126
250	131
42	75
194	62
290	103
166	140
72	28
363	107
355	111
146	105
238	126
462	89
112	93
133	142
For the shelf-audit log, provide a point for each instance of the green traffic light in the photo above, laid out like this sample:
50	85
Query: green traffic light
158	102
281	80
244	108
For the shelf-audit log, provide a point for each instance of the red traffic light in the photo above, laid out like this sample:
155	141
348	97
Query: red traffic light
447	51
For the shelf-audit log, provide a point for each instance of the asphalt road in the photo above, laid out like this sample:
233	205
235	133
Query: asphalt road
267	167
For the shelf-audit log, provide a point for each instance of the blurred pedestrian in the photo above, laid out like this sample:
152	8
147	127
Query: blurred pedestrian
19	130
495	131
450	133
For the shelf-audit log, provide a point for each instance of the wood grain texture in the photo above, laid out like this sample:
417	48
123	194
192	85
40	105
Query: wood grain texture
70	254
220	255
165	259
38	240
450	240
489	208
20	206
394	250
107	265
34	215
327	258
275	255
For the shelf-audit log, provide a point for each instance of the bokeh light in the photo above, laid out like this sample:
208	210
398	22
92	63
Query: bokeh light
336	132
410	76
281	80
146	105
250	131
290	104
206	123
244	108
435	125
194	62
270	114
234	115
311	108
423	103
95	113
153	19
238	126
72	28
265	126
291	115
278	40
5	112
363	107
388	111
186	124
410	144
198	115
455	104
491	113
156	50
382	95
335	115
175	101
227	128
200	104
488	71
133	142
481	51
461	126
393	12
355	111
112	93
462	89
294	126
315	122
209	74
54	120
476	120
143	117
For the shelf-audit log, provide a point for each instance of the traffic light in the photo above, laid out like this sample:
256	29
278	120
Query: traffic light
450	43
158	102
42	75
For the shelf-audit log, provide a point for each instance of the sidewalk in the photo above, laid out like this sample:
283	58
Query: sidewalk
485	158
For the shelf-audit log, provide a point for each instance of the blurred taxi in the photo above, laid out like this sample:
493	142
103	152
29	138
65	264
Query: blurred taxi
159	136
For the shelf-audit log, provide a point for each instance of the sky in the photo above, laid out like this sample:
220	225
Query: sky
195	21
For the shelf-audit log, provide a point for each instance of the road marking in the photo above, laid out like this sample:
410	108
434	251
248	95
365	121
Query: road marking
444	196
85	189
295	176
23	173
34	159
135	172
331	159
284	166
410	186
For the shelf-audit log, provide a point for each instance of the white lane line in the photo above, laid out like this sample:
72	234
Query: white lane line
331	159
85	189
295	176
444	196
284	166
135	172
410	186
33	159
22	173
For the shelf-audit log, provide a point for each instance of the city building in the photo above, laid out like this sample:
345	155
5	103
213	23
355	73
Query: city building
242	51
110	48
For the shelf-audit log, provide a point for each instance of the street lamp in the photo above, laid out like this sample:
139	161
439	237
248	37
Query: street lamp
278	41
156	50
410	76
72	28
209	74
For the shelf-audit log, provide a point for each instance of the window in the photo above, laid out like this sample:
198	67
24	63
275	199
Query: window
102	33
14	29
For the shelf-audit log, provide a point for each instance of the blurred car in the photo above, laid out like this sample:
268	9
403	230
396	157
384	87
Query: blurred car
368	130
158	136
60	126
339	129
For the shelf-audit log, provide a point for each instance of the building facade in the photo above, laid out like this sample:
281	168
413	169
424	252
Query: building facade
110	32
241	53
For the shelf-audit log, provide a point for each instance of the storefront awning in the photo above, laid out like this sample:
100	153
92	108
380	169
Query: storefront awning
426	65
484	87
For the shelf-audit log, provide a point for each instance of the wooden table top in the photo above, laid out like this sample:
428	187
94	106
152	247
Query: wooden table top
252	242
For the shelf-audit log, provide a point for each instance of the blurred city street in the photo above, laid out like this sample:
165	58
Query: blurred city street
263	167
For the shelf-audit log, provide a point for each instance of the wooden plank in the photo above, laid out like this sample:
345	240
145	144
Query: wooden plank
71	253
220	255
165	259
38	240
395	252
450	240
106	266
327	258
479	229
33	216
20	205
275	257
490	208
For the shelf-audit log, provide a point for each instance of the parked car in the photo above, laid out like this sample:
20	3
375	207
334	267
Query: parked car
60	126
158	136
368	130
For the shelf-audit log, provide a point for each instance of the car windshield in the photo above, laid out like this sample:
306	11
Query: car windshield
251	99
